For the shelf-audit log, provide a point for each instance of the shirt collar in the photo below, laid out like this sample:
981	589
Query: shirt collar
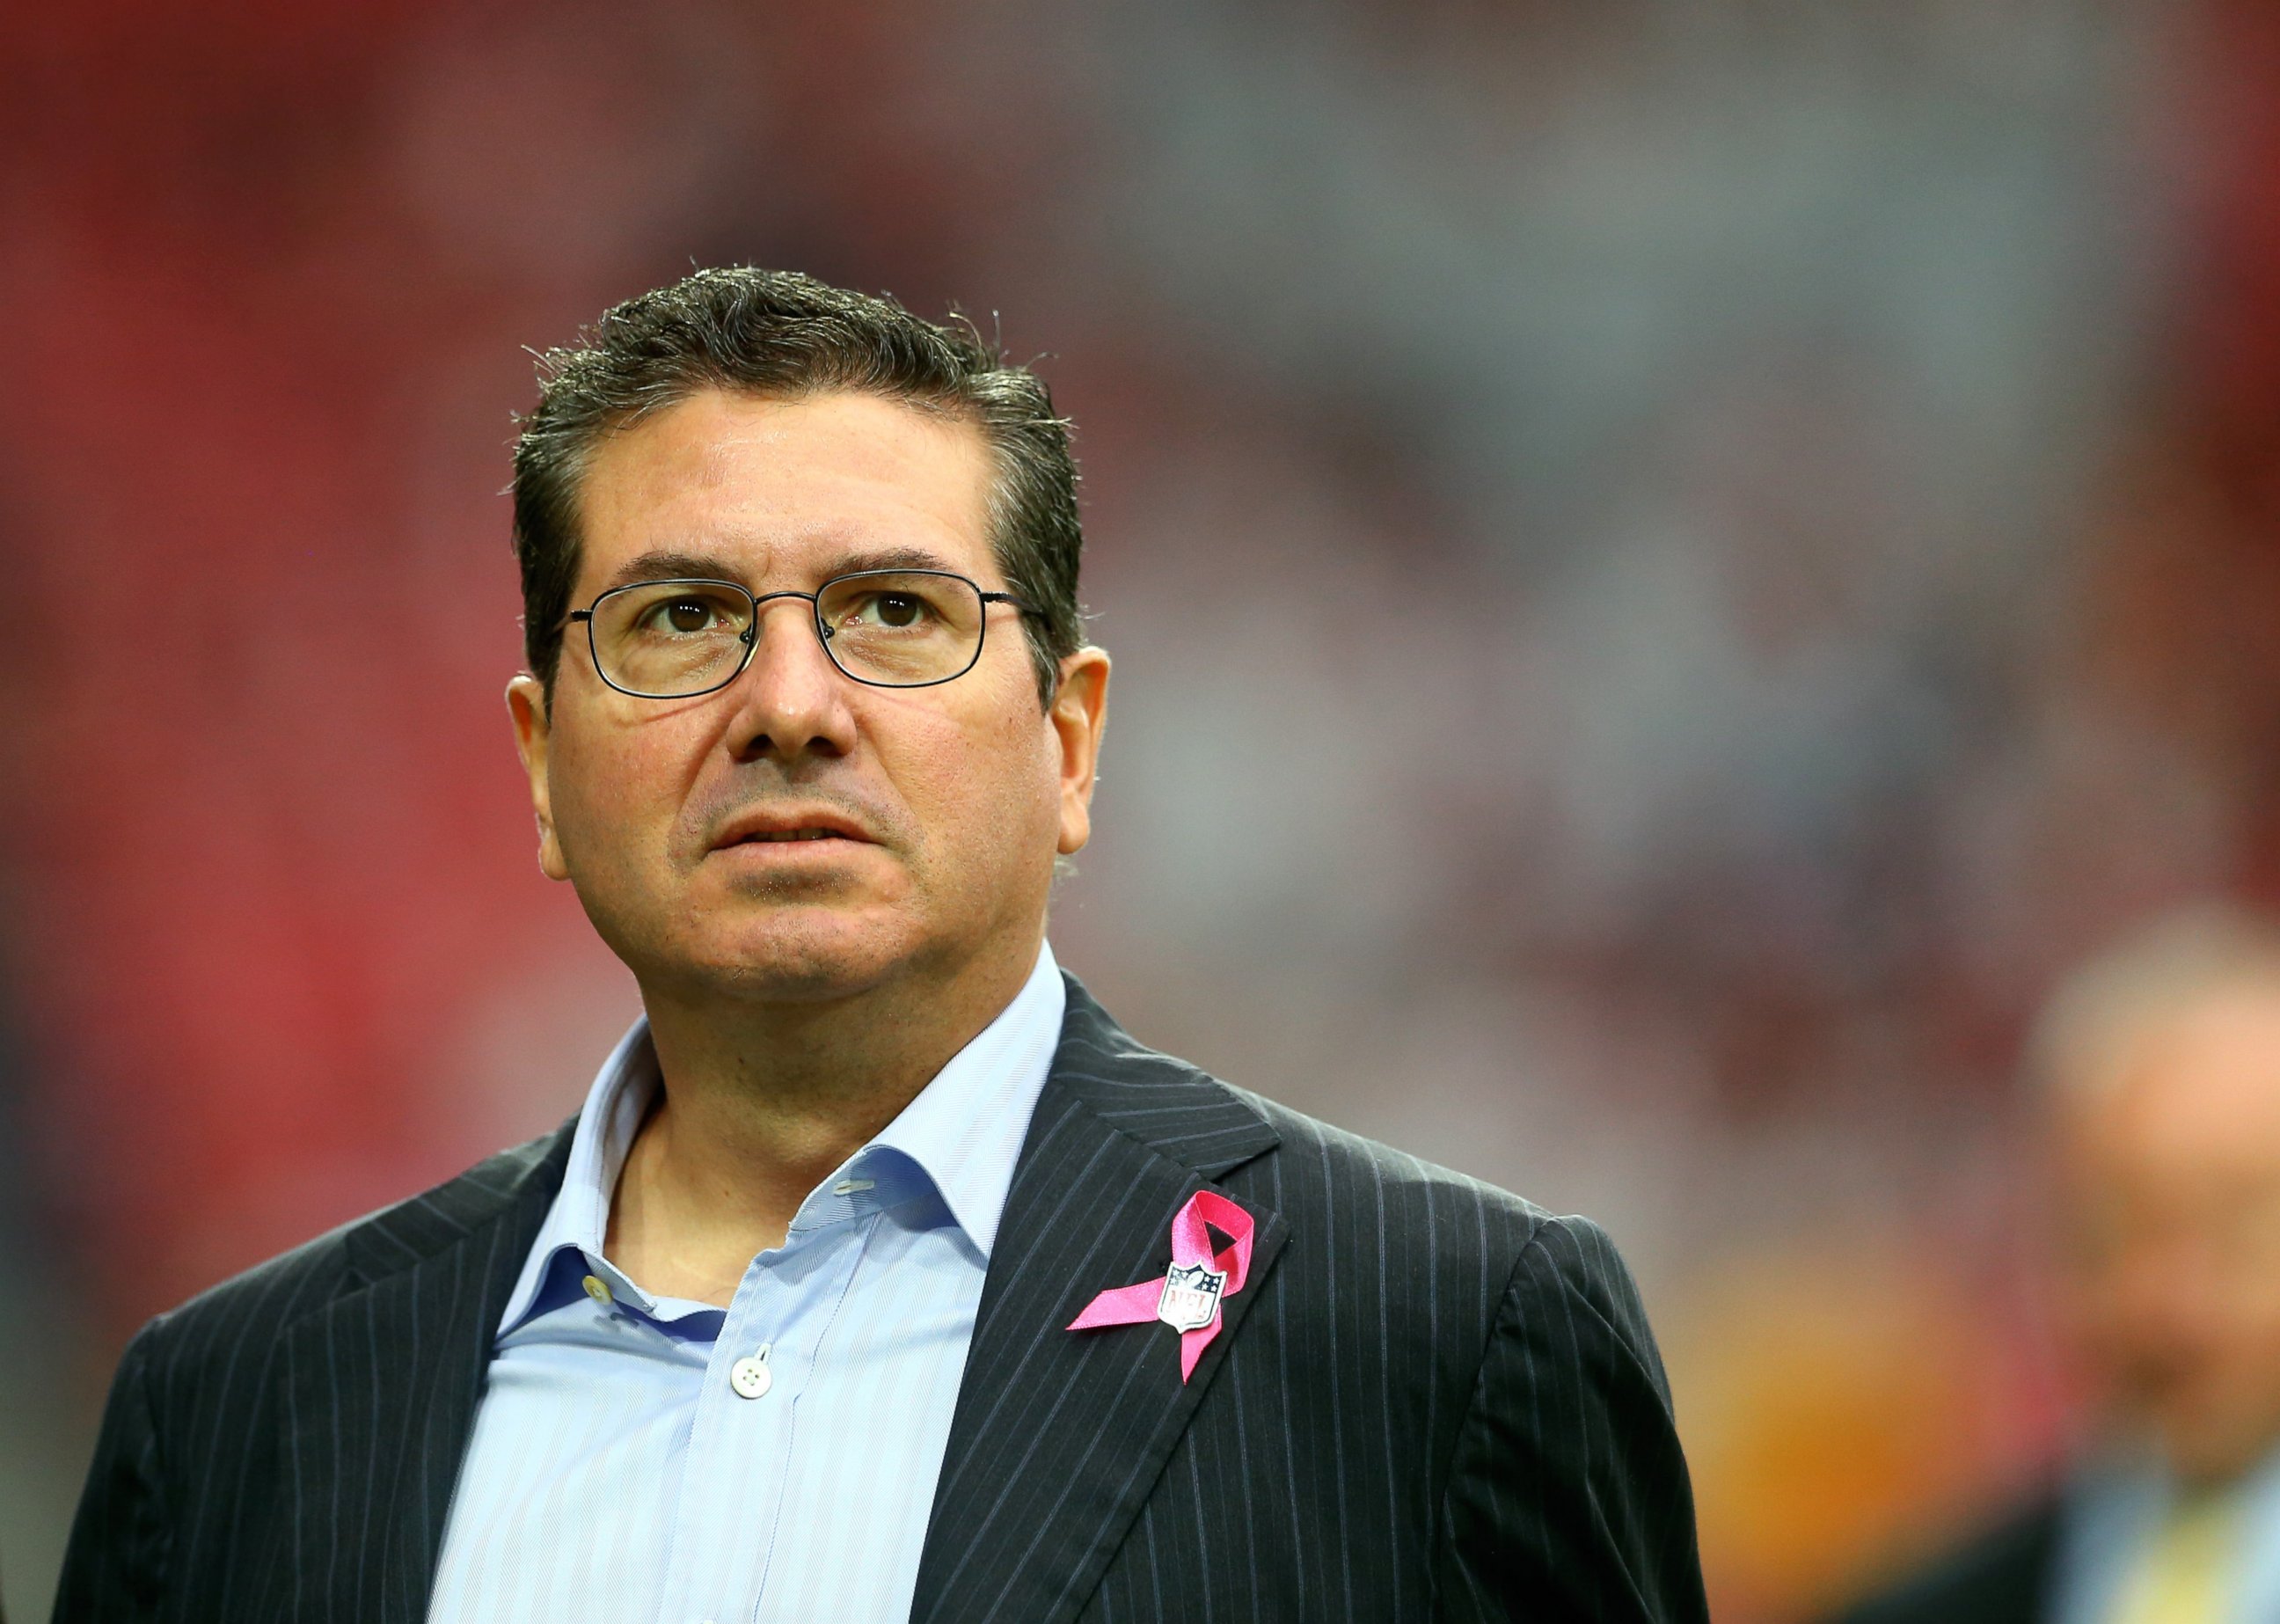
963	1131
966	1127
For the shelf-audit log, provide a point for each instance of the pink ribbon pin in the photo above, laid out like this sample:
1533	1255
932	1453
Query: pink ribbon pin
1188	1297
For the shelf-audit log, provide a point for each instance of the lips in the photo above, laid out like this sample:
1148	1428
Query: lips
779	827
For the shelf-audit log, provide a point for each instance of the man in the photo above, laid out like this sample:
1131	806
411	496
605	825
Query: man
881	1274
2162	1068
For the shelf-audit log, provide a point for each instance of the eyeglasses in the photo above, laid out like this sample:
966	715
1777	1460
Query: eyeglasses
889	629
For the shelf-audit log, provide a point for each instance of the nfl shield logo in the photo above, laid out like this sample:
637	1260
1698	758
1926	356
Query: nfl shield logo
1191	1299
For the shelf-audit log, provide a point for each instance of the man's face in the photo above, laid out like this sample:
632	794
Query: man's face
2171	1203
940	809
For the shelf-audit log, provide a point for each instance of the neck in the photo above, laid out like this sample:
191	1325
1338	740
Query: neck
762	1101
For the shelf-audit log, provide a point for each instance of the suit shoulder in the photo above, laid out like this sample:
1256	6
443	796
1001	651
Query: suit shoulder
1391	1212
1351	1158
281	1289
1345	1193
2000	1574
1321	1170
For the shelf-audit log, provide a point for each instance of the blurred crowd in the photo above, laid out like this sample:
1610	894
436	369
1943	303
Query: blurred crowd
1673	568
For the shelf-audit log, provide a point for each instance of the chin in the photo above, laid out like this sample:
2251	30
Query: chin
788	938
803	955
2211	1450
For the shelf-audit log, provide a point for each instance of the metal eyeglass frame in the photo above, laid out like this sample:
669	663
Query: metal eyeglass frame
750	637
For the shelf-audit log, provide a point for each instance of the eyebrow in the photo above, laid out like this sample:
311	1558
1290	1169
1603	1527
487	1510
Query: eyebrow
663	564
890	558
660	565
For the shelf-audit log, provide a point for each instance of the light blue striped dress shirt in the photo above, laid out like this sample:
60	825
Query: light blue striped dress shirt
618	1470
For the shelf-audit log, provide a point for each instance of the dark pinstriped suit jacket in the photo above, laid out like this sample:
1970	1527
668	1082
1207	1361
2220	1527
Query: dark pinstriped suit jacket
1432	1400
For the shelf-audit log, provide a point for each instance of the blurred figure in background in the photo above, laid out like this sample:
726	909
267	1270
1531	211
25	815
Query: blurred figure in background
2161	1068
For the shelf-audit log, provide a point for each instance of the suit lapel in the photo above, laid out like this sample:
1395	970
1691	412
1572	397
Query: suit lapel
380	1384
1058	1436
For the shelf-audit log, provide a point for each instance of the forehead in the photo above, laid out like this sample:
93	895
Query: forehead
787	491
2198	1096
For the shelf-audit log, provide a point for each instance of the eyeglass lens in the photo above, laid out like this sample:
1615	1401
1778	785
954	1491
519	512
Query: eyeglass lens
669	639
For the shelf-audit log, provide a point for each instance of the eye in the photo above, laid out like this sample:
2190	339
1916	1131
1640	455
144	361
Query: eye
686	616
898	609
892	608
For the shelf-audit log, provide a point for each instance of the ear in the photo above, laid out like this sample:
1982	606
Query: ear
526	702
1079	715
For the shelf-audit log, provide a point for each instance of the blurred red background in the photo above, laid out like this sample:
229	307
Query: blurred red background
1670	567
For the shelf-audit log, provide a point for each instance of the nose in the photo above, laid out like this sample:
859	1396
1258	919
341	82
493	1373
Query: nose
791	701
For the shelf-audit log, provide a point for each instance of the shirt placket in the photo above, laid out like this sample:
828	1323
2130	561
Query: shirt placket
742	1432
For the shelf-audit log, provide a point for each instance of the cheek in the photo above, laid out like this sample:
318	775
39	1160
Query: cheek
982	795
2254	1322
1027	775
610	782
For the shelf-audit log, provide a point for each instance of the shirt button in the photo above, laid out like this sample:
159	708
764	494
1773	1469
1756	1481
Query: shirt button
598	1290
749	1377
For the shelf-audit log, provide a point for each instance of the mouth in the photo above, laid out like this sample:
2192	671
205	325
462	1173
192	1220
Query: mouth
790	829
